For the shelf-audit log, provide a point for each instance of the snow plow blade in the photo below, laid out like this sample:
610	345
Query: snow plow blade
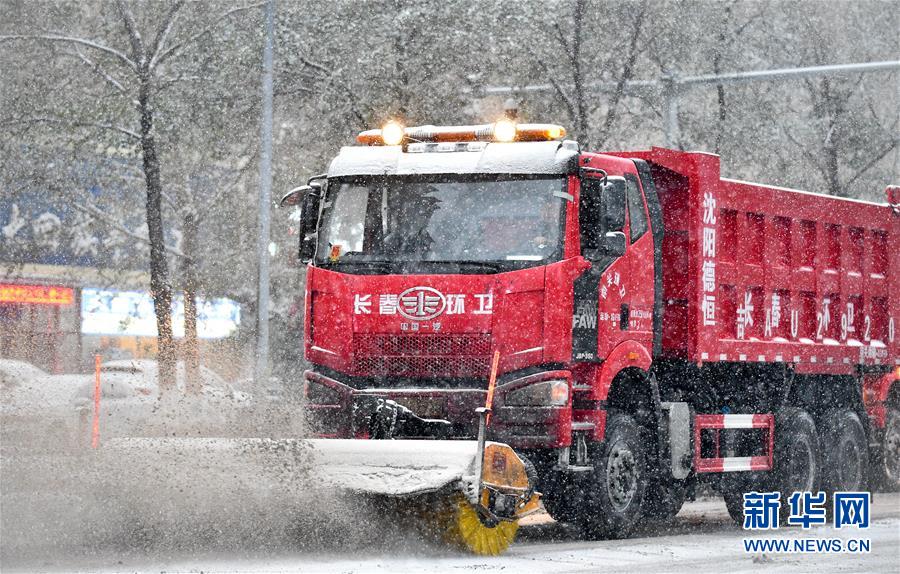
392	467
469	501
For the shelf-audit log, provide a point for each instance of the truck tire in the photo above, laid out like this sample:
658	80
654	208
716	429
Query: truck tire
735	486
797	464
845	452
614	498
886	462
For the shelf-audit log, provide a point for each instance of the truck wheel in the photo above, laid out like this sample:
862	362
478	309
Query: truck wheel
614	501
736	484
887	462
845	452
797	461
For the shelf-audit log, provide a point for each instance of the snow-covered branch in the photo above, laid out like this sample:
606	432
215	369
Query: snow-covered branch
73	40
101	72
75	124
163	32
173	50
134	35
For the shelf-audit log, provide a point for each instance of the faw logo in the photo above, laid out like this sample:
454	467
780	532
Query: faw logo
421	303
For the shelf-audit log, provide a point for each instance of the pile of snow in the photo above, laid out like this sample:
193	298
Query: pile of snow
26	388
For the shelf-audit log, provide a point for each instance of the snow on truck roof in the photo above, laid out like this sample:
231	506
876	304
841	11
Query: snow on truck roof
545	157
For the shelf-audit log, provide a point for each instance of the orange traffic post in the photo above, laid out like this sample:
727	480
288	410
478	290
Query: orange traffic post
95	432
491	384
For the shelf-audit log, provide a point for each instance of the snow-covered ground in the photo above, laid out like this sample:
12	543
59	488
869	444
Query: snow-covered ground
259	506
716	549
255	513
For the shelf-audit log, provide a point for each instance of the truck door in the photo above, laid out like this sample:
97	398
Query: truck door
637	303
600	292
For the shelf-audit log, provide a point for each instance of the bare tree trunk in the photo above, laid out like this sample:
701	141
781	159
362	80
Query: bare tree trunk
831	167
160	288
191	344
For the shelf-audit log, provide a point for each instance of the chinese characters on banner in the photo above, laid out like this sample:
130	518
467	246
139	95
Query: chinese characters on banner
708	304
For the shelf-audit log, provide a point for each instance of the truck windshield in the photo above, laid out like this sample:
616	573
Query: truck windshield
499	223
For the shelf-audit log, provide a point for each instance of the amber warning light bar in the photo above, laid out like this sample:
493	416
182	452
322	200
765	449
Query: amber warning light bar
392	133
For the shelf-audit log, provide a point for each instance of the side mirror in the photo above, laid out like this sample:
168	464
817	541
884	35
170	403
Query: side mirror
612	205
294	196
309	200
892	193
602	217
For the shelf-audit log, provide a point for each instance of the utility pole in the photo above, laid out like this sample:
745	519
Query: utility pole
265	200
670	93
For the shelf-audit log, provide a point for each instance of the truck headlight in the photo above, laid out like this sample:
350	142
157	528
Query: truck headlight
553	393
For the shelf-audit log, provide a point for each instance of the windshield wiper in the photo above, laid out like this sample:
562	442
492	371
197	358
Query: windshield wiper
481	265
402	266
376	264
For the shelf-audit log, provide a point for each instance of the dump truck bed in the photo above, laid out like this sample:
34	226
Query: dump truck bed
761	273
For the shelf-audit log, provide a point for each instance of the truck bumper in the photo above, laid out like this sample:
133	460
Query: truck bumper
337	410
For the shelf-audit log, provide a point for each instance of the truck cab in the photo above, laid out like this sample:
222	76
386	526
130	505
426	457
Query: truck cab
428	258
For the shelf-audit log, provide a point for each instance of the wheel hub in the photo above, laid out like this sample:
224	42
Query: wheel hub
621	472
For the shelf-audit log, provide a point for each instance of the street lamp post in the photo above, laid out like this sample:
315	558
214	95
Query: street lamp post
265	200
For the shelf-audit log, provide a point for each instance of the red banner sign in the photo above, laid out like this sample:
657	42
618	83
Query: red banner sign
36	294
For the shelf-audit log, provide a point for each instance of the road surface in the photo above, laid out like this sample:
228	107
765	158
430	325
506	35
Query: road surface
245	530
253	512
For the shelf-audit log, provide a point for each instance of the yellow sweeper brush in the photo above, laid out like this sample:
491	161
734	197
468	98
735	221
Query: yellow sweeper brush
471	494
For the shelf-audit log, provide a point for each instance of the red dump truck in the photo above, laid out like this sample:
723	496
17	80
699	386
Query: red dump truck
655	325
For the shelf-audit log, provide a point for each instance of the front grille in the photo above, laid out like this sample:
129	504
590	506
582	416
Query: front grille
422	355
